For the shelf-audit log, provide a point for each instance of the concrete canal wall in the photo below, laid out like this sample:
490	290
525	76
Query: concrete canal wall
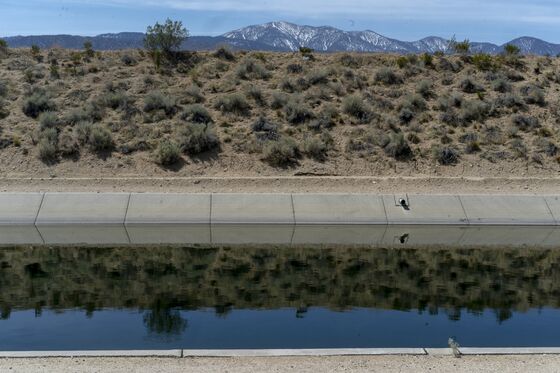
131	218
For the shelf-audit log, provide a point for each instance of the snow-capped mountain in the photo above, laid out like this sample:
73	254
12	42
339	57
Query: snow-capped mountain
285	36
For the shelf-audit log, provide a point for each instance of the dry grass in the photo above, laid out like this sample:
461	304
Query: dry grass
419	109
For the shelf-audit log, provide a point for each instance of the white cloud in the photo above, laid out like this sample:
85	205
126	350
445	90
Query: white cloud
543	11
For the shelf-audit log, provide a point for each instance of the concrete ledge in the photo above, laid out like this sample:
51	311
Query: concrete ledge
424	209
553	203
339	209
83	208
507	210
439	351
19	208
156	208
101	353
304	352
509	351
252	209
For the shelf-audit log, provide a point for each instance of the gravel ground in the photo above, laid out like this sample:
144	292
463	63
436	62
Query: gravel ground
532	363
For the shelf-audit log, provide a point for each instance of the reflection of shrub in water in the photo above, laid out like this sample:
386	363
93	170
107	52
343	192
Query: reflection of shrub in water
164	320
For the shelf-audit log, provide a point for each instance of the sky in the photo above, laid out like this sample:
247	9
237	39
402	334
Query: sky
496	21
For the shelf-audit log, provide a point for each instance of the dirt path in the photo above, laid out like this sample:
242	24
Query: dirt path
533	363
380	185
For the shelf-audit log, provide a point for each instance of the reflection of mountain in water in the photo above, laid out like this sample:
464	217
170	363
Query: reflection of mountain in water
163	280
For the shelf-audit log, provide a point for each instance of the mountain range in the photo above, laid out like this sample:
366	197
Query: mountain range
285	37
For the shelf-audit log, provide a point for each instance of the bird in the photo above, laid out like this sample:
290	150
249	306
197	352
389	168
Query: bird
454	346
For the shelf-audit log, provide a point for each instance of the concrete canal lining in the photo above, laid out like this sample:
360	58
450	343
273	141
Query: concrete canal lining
346	219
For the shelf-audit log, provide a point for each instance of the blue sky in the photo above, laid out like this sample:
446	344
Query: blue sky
486	20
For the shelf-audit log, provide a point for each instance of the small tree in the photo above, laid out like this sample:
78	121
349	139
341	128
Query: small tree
165	38
462	47
35	50
511	50
88	49
3	46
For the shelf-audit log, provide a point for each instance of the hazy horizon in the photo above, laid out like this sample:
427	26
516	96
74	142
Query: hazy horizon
495	21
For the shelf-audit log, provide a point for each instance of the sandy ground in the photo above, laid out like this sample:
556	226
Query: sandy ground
304	184
533	363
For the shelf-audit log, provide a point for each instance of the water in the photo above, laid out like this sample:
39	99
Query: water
157	297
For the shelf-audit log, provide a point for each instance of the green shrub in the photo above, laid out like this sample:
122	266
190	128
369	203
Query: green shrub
325	119
472	145
468	85
387	76
47	144
68	144
294	68
250	68
462	47
4	111
279	100
318	76
510	100
315	147
194	94
128	60
427	59
483	61
48	119
100	138
224	53
533	95
474	110
233	103
82	130
398	147
511	50
446	155
354	106
402	62
525	122
3	47
280	153
37	103
256	94
115	100
265	130
165	38
425	88
297	112
501	85
167	153
519	148
195	138
158	101
196	113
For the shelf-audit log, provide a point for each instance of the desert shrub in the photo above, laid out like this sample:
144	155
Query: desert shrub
294	68
402	62
100	138
510	100
387	76
425	88
533	95
48	119
325	119
493	135
518	148
128	60
501	85
318	76
349	61
82	130
398	147
68	144
315	147
167	153
265	130
194	94
250	68
3	88
279	100
356	107
511	50
4	111
406	115
474	110
297	112
47	150
165	38
427	59
282	152
158	101
472	144
461	47
444	103
410	106
525	122
514	76
3	47
195	138
469	85
234	103
446	155
483	61
37	103
115	100
256	94
196	113
224	53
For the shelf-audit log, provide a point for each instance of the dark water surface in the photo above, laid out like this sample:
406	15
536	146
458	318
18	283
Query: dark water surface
144	298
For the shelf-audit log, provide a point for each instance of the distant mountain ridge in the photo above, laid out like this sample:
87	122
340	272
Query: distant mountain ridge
285	37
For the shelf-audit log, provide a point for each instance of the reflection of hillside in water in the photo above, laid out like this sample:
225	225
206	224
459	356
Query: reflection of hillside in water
165	279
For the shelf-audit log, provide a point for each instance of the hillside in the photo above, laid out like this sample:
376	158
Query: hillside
255	114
